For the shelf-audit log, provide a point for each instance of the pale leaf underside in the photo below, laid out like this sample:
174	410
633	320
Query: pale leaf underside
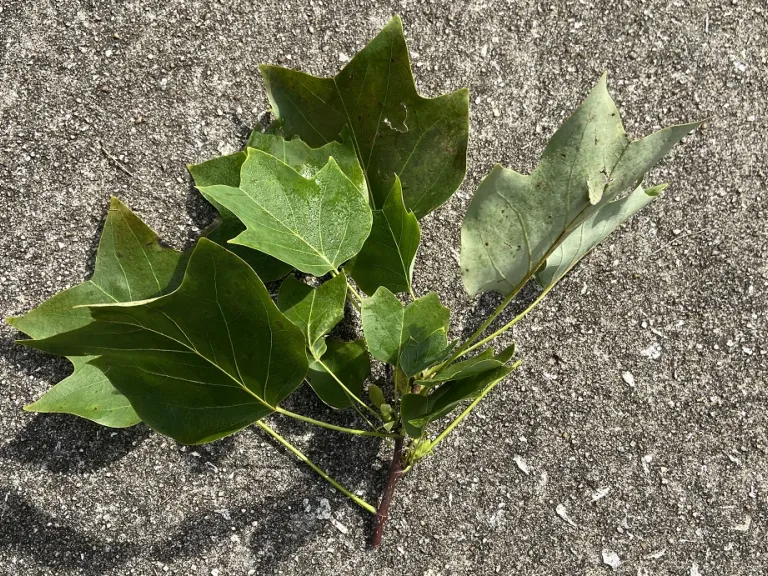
515	222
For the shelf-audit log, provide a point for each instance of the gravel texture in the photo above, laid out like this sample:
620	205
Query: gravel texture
677	298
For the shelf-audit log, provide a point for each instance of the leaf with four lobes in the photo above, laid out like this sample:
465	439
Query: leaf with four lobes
314	310
515	222
131	264
388	254
225	170
394	130
350	363
596	228
412	337
417	410
314	224
202	362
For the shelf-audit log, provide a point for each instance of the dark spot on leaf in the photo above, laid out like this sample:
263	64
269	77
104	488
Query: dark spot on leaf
279	324
486	243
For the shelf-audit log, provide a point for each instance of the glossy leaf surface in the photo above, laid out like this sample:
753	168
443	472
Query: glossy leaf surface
196	376
131	264
314	224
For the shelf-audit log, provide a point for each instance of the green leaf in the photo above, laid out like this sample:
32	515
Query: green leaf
202	362
507	353
395	131
131	264
389	252
410	337
314	310
308	161
87	393
486	361
481	363
350	363
593	231
417	410
515	222
225	170
376	394
315	224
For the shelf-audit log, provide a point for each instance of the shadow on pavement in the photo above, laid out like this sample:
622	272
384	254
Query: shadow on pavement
28	531
66	444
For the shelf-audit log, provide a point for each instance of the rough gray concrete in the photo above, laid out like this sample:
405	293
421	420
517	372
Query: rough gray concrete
684	452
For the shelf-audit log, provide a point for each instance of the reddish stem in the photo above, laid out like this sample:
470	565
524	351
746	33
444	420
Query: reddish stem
395	473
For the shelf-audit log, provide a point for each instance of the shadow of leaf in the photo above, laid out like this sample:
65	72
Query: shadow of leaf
33	533
66	444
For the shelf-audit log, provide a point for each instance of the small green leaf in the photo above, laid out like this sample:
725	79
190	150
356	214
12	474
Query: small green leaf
410	337
484	362
376	395
314	310
350	363
417	411
315	224
131	264
515	222
593	231
389	252
195	376
395	130
506	354
225	170
308	161
418	354
481	363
